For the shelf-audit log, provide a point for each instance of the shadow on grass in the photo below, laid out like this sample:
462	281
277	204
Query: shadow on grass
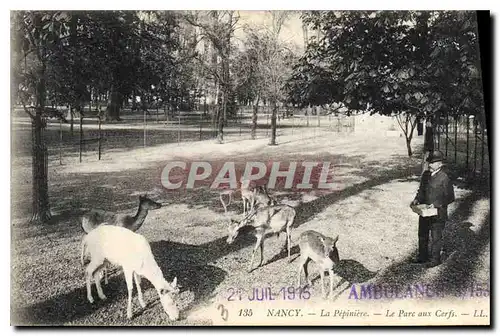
183	261
456	274
69	306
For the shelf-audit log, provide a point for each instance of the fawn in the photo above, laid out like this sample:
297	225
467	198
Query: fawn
320	249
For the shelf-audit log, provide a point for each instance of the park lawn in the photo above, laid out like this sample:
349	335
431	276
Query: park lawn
368	209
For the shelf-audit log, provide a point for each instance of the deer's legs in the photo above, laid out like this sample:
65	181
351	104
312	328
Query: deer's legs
261	251
257	244
330	273
139	291
302	262
322	275
288	240
130	287
105	274
98	278
91	268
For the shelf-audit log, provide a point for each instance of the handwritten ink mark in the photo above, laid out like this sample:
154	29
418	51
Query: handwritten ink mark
224	313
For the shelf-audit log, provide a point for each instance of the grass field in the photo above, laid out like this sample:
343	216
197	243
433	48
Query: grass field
368	208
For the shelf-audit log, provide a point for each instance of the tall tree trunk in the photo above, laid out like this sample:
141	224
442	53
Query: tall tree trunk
408	147
220	119
40	196
274	107
254	119
113	108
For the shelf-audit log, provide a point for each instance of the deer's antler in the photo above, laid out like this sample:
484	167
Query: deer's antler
222	200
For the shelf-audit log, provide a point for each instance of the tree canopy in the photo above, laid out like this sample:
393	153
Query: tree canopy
390	62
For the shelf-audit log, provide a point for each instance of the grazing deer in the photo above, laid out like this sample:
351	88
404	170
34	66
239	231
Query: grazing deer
323	251
131	251
96	217
266	220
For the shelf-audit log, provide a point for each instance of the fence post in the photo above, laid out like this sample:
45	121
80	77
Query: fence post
267	123
201	123
60	141
475	144
456	143
241	118
144	124
81	136
467	145
482	149
99	138
178	127
278	123
438	134
446	138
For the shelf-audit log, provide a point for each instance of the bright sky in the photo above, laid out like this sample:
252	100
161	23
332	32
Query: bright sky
291	31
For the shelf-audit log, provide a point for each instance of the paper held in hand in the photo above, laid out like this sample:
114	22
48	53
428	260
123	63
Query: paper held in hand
424	210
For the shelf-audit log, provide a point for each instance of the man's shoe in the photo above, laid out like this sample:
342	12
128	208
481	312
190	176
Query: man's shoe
418	261
432	264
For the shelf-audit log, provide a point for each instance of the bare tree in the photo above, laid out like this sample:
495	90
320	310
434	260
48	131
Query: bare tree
407	122
272	54
218	27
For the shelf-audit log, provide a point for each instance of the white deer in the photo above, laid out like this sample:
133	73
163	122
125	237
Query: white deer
96	217
131	251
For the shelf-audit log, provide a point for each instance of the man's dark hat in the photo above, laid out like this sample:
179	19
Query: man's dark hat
435	156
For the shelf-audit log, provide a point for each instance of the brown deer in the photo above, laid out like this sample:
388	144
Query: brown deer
264	220
254	196
96	217
320	249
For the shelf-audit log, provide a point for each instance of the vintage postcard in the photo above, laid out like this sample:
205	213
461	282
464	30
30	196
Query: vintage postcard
249	168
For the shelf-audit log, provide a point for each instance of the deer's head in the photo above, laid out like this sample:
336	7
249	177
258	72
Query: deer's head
147	203
264	196
234	226
331	251
166	299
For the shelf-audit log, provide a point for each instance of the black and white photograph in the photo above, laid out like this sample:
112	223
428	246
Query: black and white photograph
250	167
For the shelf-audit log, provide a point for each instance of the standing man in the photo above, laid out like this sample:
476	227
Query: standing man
435	189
